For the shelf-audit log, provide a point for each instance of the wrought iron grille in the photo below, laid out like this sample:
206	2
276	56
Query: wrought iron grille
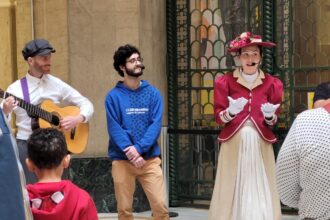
198	32
302	55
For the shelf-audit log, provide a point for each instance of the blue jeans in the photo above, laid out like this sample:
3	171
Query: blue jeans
22	151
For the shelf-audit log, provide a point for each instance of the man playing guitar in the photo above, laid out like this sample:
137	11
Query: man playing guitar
37	86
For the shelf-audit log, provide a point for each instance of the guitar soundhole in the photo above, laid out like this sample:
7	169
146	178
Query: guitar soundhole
55	120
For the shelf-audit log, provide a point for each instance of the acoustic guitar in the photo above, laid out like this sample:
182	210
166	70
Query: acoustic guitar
48	114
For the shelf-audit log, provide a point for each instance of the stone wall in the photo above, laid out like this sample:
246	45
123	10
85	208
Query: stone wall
85	34
96	30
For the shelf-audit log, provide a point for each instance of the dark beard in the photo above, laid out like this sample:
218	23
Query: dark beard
131	72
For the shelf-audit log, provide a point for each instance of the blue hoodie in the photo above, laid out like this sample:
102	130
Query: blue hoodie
134	118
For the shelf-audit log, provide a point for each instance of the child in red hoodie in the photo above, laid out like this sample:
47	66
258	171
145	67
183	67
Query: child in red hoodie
52	198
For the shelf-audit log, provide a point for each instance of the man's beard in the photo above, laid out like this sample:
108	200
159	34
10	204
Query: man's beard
131	72
43	69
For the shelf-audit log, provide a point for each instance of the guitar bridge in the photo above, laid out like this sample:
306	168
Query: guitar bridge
72	133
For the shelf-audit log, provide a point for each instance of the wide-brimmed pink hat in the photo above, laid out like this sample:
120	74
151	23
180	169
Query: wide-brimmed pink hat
247	39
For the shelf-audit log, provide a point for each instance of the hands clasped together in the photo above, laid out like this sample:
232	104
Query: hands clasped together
237	105
134	157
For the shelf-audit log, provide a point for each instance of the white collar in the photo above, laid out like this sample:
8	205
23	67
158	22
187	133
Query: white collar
250	78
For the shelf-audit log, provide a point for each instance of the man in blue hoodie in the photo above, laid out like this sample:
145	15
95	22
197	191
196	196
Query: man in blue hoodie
134	119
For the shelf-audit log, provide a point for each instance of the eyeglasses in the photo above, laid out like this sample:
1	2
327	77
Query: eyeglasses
134	60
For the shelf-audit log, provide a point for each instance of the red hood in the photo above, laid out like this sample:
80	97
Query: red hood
46	189
73	206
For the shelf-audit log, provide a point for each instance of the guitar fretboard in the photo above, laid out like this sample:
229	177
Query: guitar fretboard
32	110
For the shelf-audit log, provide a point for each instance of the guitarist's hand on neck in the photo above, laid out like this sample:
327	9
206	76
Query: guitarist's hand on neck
9	104
70	122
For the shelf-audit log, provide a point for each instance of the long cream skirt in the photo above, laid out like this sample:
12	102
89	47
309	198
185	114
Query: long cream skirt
245	186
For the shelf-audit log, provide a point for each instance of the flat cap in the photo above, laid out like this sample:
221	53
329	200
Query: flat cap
37	47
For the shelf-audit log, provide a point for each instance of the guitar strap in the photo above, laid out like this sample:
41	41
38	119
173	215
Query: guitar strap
25	89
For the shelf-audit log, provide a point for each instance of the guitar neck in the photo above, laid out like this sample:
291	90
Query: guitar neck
32	110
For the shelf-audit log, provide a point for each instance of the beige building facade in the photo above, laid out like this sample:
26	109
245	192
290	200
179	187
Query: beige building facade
85	34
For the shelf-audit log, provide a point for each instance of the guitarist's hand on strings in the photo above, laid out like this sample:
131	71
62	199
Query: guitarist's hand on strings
70	122
9	104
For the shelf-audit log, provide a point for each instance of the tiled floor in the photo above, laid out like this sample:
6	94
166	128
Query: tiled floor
184	214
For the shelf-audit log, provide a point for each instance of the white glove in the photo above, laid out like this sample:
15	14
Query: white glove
268	109
236	106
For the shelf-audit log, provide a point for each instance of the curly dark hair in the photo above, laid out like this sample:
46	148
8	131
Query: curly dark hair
47	148
121	55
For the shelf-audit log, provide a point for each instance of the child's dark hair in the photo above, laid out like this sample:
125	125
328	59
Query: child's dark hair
121	55
47	148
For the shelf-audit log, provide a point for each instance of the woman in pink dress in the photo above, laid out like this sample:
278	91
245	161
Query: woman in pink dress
246	103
